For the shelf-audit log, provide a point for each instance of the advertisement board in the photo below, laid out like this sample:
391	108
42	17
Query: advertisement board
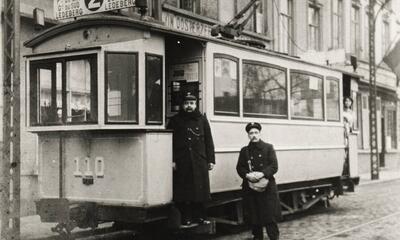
74	8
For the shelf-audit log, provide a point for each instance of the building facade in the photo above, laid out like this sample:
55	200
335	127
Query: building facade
29	167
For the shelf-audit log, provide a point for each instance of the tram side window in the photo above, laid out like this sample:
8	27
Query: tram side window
332	99
264	90
306	96
63	91
226	86
154	88
122	87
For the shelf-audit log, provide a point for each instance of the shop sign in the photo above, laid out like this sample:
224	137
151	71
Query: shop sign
186	71
74	8
186	24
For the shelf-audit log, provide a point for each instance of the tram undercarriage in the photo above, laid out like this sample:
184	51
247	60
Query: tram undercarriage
225	208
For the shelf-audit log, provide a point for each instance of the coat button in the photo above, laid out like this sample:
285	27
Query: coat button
259	155
189	139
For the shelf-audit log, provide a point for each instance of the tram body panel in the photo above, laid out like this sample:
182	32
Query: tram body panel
304	152
111	170
49	166
89	37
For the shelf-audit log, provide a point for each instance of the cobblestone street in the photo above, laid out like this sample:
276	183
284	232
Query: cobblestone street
371	213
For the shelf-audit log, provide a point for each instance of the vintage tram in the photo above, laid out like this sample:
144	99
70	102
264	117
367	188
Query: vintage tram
100	91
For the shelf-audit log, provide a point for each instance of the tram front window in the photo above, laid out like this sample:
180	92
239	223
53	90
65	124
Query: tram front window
154	89
122	87
63	91
78	91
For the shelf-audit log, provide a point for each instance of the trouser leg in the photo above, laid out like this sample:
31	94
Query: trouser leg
257	232
199	210
272	230
186	211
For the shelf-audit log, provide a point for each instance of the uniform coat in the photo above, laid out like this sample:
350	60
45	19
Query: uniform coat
260	208
193	150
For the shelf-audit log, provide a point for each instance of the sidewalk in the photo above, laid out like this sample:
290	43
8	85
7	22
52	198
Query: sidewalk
384	176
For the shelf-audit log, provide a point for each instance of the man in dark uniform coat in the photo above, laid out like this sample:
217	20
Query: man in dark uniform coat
256	161
193	150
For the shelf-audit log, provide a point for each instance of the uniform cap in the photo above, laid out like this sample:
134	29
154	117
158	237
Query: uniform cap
251	125
189	97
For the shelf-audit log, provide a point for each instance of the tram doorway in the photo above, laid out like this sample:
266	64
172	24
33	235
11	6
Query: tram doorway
183	71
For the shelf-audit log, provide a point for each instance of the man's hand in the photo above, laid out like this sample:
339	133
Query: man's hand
251	177
210	166
258	175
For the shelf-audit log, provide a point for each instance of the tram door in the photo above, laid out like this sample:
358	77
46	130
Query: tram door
350	89
183	72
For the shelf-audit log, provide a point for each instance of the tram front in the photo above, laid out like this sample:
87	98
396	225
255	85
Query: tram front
96	91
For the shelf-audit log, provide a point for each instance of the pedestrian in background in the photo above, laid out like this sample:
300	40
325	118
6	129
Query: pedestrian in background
257	163
193	155
348	120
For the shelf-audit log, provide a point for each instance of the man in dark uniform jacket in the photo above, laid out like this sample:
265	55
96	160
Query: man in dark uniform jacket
193	150
256	161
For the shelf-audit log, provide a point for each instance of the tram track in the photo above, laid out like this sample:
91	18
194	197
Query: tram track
359	226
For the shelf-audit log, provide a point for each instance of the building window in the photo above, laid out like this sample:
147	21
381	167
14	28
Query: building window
226	85
122	87
314	31
286	26
391	136
64	91
190	5
366	35
360	138
208	8
306	96
337	24
257	22
154	89
355	30
385	36
264	90
332	99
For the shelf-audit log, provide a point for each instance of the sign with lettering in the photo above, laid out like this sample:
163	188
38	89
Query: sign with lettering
186	24
74	8
185	71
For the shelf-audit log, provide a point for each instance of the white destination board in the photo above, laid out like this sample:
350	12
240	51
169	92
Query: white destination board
74	8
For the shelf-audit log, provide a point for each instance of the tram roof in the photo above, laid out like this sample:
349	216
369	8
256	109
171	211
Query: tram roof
107	20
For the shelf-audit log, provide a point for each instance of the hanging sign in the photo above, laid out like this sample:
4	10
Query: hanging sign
74	8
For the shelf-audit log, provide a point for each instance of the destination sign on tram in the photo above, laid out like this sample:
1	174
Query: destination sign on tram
74	8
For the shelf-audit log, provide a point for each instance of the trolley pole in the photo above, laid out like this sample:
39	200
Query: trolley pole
373	129
10	165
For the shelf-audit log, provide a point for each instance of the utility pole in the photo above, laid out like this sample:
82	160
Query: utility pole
373	128
10	163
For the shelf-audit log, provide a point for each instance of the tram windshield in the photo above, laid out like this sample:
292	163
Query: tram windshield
63	91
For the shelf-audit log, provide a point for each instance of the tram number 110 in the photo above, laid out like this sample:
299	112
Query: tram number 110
98	167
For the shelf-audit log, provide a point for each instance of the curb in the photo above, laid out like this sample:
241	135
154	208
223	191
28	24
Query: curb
369	182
